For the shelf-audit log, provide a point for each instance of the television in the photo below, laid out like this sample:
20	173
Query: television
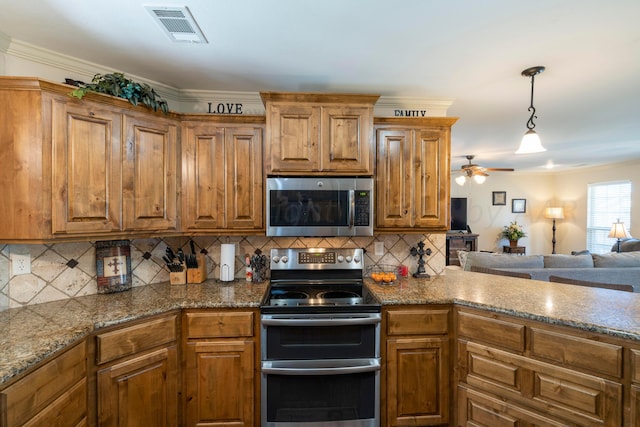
458	214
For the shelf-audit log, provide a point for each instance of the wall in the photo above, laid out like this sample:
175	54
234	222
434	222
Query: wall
488	220
567	189
65	270
571	189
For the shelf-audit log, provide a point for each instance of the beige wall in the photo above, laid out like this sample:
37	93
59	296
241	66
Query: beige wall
567	189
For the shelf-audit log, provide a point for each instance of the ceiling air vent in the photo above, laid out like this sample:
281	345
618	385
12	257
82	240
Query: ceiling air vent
177	23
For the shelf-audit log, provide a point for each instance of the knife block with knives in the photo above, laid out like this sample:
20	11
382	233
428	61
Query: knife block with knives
196	269
178	277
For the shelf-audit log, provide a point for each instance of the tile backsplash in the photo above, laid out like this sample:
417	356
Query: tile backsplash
64	270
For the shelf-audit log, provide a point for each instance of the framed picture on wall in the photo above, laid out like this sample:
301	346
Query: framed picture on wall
518	205
499	198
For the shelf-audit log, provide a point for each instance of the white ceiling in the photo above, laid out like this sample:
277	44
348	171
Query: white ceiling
587	100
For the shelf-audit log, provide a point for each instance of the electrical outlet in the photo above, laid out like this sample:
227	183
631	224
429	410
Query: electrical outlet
379	248
21	264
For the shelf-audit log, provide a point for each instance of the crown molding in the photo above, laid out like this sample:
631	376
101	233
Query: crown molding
197	101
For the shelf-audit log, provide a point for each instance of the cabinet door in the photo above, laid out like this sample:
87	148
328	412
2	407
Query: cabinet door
294	138
219	383
203	177
430	180
346	140
244	178
417	381
142	391
149	173
86	164
393	178
222	177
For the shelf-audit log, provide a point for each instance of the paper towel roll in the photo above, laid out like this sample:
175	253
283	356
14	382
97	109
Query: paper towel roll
227	261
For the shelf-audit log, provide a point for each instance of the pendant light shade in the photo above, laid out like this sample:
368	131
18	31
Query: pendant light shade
531	141
460	180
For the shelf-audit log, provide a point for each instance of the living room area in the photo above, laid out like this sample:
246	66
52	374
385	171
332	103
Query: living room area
567	189
490	208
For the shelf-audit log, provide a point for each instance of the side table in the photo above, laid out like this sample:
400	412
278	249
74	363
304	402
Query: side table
519	250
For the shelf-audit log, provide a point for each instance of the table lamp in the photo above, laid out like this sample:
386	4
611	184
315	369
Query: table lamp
618	232
554	213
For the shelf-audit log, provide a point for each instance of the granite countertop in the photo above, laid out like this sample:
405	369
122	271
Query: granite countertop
32	333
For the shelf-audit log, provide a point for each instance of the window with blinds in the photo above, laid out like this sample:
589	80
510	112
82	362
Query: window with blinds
608	202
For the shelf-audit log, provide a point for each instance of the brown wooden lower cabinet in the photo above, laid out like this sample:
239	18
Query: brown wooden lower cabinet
515	372
137	373
202	369
220	359
55	394
416	388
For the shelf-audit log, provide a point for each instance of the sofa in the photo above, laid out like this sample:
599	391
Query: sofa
618	268
627	245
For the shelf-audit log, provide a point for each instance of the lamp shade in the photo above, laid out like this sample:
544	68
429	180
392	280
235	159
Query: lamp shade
479	178
530	143
554	213
460	180
618	231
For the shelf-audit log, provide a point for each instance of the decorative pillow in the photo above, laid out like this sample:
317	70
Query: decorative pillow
582	252
568	261
615	259
462	256
491	260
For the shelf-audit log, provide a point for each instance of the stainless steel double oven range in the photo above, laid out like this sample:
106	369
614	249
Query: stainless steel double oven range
320	333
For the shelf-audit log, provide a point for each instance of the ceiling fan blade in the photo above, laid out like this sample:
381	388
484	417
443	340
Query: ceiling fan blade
500	169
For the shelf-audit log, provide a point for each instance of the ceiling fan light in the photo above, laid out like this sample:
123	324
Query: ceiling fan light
530	143
479	179
460	180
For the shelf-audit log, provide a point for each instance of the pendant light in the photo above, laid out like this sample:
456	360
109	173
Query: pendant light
531	141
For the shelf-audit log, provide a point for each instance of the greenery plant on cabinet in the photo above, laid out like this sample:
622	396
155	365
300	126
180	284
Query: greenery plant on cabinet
116	84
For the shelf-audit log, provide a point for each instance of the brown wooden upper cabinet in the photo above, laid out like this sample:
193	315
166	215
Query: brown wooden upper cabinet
311	133
74	169
222	173
412	173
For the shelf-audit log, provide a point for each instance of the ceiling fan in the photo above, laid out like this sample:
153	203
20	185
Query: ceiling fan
478	173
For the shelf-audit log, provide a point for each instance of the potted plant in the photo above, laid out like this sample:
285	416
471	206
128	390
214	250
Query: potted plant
117	84
513	232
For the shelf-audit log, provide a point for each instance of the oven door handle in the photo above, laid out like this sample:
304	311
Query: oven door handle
343	370
322	322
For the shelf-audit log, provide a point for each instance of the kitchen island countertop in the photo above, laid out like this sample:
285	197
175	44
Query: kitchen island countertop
31	334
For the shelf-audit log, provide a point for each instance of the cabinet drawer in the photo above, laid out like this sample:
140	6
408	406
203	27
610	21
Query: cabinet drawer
220	325
417	322
129	340
68	409
573	396
36	391
493	331
481	410
578	352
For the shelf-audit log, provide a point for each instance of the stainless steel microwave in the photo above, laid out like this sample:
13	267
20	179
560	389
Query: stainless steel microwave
319	206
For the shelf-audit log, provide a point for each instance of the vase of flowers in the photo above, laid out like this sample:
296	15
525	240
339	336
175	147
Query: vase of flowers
513	232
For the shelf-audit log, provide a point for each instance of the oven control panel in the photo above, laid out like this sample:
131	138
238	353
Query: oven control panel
316	258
